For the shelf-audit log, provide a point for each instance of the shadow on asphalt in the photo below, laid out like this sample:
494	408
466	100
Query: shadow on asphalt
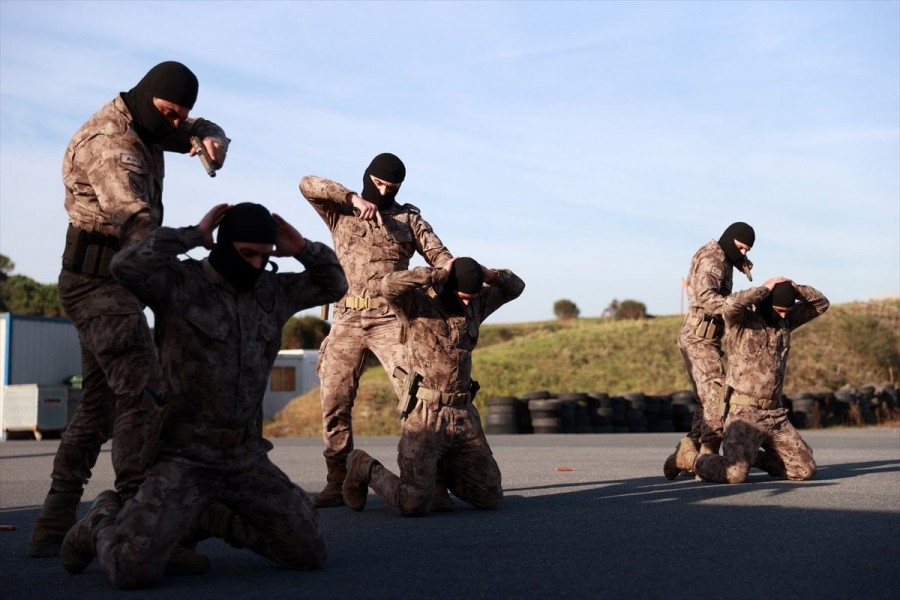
608	539
640	485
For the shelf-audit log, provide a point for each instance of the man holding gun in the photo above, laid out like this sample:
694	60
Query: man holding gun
113	174
709	283
373	235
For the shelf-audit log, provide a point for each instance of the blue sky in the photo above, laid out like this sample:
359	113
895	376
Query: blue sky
591	147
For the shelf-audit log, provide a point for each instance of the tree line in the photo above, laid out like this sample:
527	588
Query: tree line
24	296
626	309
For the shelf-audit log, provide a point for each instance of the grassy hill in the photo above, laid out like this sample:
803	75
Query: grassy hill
852	344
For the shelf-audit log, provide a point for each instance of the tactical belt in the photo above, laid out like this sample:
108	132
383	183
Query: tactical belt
362	302
89	252
706	326
443	398
760	403
217	438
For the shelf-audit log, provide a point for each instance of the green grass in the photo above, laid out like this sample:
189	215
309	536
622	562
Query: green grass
852	344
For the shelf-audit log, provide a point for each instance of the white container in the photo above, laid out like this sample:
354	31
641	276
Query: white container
35	408
293	374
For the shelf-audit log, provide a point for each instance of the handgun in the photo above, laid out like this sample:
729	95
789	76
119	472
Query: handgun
410	384
204	157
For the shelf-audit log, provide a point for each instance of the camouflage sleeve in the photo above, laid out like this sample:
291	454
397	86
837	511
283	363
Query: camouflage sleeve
148	268
322	282
505	288
181	141
428	244
737	303
399	288
706	283
813	304
329	198
114	169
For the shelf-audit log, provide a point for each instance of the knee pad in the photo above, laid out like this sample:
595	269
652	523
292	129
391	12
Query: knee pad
737	473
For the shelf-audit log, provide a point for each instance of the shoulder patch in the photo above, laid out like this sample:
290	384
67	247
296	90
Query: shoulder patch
130	159
716	271
412	209
138	185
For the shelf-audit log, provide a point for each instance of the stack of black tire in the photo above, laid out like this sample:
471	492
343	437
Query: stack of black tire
834	409
600	412
804	410
867	405
684	405
502	416
542	412
659	414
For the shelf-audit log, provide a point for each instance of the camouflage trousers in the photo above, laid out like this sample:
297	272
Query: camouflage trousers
703	361
277	518
341	361
747	429
118	359
453	436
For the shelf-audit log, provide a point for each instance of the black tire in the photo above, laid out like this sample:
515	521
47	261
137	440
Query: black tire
683	397
501	401
541	395
546	425
540	405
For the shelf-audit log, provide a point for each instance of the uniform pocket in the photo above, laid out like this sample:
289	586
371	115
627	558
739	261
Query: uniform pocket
208	324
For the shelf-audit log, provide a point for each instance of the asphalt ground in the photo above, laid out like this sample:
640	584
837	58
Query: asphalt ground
611	527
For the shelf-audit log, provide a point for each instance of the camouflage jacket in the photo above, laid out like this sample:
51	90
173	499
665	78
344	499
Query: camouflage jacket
367	250
113	179
439	344
709	280
758	351
217	344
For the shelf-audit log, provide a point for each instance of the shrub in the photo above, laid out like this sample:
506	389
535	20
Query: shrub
631	309
565	309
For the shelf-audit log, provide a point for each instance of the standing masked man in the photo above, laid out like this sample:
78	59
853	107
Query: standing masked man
373	236
700	339
113	173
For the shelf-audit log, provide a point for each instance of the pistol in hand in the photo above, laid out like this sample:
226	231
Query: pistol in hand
204	157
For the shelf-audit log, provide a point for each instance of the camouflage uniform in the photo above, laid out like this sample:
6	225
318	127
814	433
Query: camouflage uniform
757	361
700	338
217	347
367	252
113	182
444	425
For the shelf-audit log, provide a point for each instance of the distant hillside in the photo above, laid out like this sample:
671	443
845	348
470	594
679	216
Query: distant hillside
852	344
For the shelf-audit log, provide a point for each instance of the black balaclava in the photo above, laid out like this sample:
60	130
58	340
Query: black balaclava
386	167
736	231
465	276
246	222
783	296
170	81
